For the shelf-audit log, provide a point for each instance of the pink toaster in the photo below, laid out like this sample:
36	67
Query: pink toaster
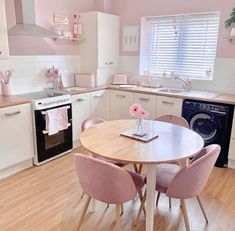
119	79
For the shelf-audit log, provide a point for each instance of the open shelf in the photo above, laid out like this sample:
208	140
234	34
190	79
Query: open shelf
55	38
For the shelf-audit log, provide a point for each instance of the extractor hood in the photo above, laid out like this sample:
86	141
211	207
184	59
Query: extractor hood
25	21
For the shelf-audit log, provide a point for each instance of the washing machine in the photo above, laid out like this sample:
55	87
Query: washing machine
213	121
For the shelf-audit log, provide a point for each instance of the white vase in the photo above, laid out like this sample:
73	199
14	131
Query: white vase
233	32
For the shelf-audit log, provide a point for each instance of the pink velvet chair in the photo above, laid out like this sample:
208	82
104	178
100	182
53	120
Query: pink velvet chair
187	182
106	182
178	120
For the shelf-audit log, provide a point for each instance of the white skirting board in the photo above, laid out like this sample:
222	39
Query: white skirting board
231	164
15	168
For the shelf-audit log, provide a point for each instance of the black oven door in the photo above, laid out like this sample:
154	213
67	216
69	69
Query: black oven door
53	145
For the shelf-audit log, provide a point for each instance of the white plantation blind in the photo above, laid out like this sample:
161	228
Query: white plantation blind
182	44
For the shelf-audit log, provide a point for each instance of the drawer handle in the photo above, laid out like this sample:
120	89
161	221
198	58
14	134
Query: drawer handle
81	99
98	96
144	99
121	96
167	102
13	113
109	63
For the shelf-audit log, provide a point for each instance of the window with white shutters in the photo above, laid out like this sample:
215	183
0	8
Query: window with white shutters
181	44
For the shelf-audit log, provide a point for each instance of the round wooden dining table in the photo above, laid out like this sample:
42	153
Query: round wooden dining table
174	143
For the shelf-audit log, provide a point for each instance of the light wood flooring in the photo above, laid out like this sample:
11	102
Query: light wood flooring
48	198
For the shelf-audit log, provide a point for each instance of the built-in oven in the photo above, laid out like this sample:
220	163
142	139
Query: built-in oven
50	146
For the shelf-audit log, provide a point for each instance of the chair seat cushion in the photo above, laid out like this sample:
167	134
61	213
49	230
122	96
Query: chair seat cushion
138	180
165	174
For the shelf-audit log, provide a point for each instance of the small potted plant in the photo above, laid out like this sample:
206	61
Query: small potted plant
230	21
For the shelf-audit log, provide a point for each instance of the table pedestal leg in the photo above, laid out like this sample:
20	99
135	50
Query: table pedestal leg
150	199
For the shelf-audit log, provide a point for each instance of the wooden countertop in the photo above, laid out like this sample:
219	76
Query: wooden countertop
7	101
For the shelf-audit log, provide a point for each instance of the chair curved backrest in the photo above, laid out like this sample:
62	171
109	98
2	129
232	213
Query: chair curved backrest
178	120
90	122
104	181
190	180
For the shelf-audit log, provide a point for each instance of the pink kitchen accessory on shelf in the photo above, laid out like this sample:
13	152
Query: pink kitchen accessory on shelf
119	79
5	82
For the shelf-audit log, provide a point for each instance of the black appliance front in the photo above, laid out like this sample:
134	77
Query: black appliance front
53	145
213	121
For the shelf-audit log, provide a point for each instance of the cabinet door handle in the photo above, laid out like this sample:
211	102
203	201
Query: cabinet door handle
80	99
13	113
121	96
98	96
144	99
167	102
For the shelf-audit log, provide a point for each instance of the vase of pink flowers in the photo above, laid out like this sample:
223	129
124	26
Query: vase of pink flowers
137	111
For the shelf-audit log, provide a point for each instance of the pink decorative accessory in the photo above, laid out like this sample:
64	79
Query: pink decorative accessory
137	111
52	74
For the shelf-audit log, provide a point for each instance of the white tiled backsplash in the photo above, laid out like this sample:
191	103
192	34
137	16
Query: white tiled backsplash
223	81
29	71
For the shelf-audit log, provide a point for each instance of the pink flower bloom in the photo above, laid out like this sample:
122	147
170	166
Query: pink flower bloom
137	111
144	114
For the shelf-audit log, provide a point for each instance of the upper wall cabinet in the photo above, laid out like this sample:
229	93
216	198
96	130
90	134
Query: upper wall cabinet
4	50
101	47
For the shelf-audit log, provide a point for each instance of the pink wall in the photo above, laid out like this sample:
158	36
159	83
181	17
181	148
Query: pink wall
104	5
44	17
131	11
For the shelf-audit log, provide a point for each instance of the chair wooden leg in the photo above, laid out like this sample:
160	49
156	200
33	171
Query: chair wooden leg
135	168
142	207
122	210
82	195
169	202
140	168
158	196
84	212
185	214
141	199
118	217
203	210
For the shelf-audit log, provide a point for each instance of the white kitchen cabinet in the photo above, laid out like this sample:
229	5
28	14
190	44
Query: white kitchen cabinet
16	135
4	49
120	102
231	155
148	102
81	105
100	104
168	106
101	46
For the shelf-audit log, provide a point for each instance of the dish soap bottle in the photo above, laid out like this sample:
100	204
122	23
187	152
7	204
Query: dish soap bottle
75	26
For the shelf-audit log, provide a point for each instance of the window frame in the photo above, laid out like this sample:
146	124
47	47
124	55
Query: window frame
143	59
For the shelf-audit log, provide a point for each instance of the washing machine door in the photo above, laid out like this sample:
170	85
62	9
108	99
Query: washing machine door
205	125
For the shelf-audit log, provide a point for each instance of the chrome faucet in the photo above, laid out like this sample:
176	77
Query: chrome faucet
187	83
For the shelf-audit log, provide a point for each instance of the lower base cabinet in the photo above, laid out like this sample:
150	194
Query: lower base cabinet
16	135
81	105
168	106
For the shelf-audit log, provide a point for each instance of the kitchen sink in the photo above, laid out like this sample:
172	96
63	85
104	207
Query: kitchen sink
189	93
170	90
